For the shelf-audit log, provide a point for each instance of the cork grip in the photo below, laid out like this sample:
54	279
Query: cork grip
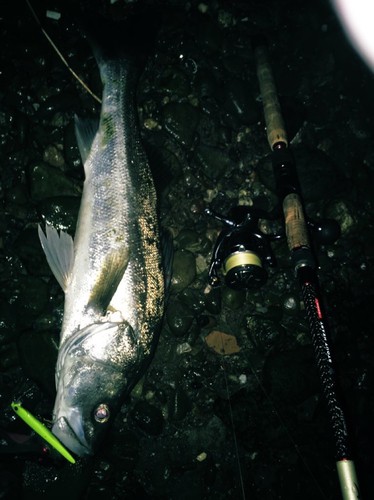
276	130
296	228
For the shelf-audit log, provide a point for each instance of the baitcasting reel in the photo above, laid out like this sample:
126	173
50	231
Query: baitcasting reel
241	248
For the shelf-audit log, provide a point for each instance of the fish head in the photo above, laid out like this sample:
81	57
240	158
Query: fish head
95	372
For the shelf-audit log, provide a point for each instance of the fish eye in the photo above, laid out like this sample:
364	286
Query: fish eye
102	413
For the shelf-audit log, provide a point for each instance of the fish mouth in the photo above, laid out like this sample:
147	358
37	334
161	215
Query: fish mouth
69	438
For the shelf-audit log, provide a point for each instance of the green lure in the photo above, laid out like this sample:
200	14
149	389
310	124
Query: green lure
42	430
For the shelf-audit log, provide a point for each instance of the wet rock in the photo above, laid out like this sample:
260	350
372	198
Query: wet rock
123	447
233	64
8	323
151	124
183	348
316	182
242	404
206	84
160	474
46	181
60	212
189	240
344	213
47	322
148	418
30	295
240	103
290	304
27	246
292	376
174	81
17	211
180	404
193	300
187	487
180	121
184	271
213	161
298	328
8	357
53	156
233	299
264	333
206	322
65	101
179	318
197	208
282	254
210	35
17	195
70	481
274	313
20	124
38	355
213	301
194	333
224	136
161	396
7	73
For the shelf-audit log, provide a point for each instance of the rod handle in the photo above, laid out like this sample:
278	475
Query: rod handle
275	128
296	227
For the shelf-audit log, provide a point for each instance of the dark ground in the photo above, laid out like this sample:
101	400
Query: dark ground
196	414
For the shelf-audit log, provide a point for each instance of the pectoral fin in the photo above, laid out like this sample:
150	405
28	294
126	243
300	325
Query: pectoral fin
110	276
59	251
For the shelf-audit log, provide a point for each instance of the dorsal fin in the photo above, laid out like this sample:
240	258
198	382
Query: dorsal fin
59	251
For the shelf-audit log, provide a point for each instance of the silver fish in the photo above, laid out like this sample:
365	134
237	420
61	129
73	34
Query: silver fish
112	273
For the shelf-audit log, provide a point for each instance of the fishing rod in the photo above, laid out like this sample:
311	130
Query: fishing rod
242	249
297	234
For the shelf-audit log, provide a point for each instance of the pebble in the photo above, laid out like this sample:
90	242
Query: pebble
148	418
179	318
38	356
47	181
184	271
60	212
240	103
292	376
264	333
180	404
233	299
180	120
214	162
290	304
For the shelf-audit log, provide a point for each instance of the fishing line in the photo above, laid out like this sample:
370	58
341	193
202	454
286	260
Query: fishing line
275	411
60	54
232	421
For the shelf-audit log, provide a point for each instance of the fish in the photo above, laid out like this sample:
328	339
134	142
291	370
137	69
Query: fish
113	272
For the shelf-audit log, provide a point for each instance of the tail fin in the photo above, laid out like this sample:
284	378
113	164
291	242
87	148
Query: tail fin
130	39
